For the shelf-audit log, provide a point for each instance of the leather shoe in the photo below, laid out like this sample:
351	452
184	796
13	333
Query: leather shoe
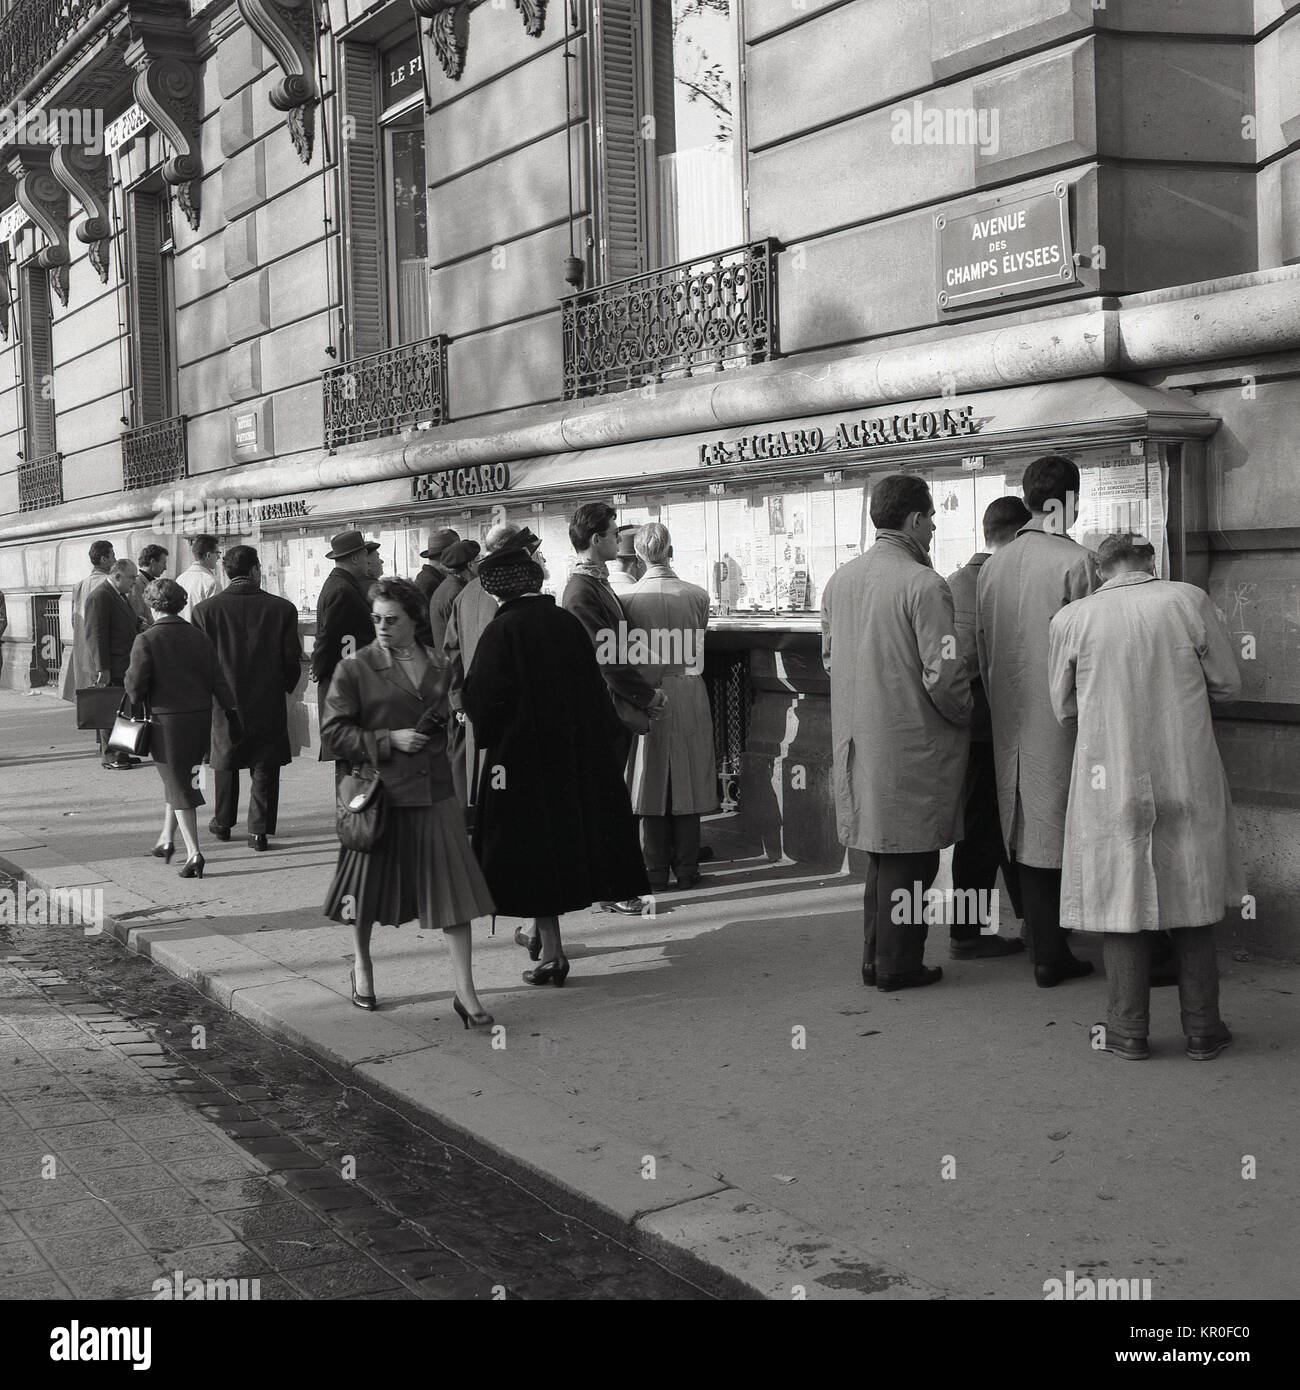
117	767
258	842
1048	976
630	907
1204	1047
1131	1049
222	832
690	881
909	979
986	948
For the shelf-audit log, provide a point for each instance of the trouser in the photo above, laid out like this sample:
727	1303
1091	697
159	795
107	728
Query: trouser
981	853
1128	971
263	798
670	840
893	931
456	757
1040	897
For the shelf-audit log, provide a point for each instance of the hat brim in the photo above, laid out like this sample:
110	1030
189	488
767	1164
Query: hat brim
343	554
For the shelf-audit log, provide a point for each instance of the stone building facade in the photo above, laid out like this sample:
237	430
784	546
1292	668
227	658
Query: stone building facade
403	264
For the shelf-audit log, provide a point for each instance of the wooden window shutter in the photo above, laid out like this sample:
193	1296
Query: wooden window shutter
623	154
38	361
363	229
150	334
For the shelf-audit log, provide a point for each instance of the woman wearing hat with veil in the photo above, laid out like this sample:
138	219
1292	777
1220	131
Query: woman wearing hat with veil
554	830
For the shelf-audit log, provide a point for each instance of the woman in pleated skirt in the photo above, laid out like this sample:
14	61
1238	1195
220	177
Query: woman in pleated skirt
386	708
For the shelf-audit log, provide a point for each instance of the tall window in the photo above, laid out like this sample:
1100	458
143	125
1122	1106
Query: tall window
153	306
386	242
36	322
669	151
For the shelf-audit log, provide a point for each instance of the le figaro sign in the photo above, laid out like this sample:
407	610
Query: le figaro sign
850	435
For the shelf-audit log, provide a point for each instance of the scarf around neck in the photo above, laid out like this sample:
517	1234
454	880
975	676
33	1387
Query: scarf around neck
908	543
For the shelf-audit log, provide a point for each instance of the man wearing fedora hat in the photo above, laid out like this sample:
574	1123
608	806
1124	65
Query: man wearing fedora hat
343	623
627	567
458	561
434	570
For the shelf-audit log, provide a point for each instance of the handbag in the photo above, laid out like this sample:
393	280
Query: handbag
97	706
131	735
361	810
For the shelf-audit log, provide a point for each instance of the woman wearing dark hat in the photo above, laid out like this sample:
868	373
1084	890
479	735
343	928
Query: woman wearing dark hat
175	671
387	708
554	830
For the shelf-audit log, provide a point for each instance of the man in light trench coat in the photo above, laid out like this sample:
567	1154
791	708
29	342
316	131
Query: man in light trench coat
1149	837
900	716
1021	588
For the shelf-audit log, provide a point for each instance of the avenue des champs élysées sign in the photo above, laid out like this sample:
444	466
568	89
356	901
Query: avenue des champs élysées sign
913	427
1015	245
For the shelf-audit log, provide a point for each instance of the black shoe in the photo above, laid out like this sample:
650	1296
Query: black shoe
119	767
550	972
1204	1047
194	867
163	851
909	979
690	881
1131	1049
362	1001
258	842
482	1020
986	948
705	854
1048	976
222	832
869	976
532	944
629	907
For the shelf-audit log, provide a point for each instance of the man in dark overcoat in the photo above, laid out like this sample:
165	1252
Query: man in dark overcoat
343	624
109	630
258	648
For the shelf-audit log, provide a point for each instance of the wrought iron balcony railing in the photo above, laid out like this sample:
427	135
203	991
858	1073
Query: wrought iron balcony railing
703	314
40	483
155	454
386	393
33	32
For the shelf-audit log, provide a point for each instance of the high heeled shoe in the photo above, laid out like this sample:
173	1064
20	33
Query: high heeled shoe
481	1020
164	851
550	972
532	944
194	867
362	1001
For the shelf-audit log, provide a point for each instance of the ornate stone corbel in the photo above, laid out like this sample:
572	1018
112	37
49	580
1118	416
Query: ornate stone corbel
85	175
449	27
45	201
167	89
288	29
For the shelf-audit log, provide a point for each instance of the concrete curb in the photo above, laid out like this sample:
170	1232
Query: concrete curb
699	1226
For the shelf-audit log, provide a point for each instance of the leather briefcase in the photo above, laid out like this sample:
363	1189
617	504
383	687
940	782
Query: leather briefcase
97	706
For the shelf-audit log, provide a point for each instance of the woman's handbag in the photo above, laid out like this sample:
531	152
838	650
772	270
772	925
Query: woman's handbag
131	735
361	811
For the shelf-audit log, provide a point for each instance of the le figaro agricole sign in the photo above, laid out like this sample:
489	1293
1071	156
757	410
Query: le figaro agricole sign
913	427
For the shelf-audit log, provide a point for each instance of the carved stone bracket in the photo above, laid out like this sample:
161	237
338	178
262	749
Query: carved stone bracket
45	201
449	27
86	176
167	89
288	29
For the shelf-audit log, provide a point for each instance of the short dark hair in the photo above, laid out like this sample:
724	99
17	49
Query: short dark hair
204	545
395	590
1052	478
238	561
895	497
100	551
165	596
1125	548
591	519
151	553
1003	517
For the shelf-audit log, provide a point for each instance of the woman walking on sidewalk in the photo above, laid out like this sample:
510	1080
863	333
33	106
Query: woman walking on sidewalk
554	829
174	670
387	708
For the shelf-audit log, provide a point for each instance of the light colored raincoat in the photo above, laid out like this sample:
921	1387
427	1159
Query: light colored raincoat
1022	587
900	701
1149	837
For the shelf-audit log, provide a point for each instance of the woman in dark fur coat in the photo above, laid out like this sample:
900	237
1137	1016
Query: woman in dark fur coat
555	830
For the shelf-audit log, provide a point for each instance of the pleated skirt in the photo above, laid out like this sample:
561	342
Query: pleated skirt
422	870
